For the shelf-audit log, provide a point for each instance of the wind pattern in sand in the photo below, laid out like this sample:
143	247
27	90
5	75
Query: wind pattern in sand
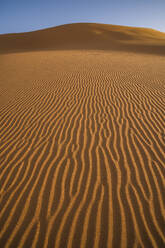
82	153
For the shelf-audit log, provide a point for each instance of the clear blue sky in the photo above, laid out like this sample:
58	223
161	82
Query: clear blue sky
26	15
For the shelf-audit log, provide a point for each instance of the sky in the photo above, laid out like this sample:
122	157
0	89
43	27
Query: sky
28	15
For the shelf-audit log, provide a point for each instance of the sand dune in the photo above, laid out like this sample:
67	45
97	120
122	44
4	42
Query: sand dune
86	36
82	138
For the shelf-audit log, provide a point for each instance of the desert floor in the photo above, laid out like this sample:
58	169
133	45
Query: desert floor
82	149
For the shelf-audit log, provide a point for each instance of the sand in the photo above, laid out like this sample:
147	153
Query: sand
82	138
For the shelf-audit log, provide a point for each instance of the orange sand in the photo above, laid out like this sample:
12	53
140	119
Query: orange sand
82	110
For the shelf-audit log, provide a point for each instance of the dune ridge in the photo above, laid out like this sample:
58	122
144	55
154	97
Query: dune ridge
82	149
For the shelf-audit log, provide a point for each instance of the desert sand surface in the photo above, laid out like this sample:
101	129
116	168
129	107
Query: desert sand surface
82	138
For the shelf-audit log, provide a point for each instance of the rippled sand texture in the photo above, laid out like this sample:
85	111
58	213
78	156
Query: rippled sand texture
82	149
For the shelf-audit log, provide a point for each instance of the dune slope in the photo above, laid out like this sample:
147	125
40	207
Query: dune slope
82	141
86	36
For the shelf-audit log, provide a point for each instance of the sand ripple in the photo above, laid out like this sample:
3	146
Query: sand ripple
82	153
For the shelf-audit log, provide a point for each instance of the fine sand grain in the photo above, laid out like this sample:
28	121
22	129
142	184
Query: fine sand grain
82	138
